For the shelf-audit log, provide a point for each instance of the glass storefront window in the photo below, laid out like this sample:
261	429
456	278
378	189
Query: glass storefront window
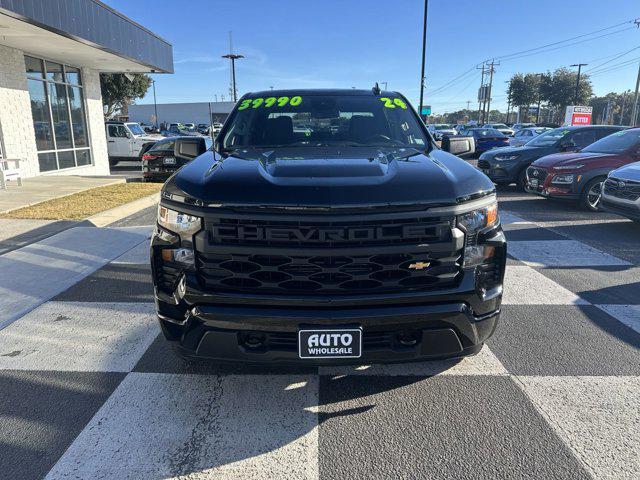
59	116
40	113
72	74
76	103
34	67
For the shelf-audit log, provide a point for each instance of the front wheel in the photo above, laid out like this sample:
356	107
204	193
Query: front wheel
590	198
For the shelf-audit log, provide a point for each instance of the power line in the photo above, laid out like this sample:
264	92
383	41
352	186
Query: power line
538	50
615	58
566	40
568	45
615	66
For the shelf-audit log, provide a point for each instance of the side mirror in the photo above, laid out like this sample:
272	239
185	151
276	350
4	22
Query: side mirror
459	146
188	148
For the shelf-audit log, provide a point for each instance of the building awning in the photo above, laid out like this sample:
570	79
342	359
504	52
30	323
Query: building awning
86	33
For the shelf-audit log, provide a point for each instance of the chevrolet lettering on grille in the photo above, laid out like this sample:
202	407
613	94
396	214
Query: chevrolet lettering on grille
321	234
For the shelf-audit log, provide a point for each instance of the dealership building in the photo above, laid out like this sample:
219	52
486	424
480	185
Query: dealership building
51	55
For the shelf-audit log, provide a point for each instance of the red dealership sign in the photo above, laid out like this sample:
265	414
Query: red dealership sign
576	115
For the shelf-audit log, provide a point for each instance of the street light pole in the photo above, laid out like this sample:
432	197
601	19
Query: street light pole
233	57
424	52
579	65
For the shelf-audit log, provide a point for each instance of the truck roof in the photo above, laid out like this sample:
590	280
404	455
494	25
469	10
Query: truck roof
320	91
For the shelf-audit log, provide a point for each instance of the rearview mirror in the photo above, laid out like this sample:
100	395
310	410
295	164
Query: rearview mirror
568	145
459	146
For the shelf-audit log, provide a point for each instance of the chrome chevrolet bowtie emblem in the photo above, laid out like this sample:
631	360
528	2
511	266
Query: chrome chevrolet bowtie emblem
419	265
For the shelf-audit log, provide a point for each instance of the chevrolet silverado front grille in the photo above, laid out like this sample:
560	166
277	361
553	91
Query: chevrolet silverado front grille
311	255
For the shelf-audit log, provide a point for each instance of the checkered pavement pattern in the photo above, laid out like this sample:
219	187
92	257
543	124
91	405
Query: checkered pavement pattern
89	389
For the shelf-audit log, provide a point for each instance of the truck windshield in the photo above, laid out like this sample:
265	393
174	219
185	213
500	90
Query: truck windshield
323	120
135	129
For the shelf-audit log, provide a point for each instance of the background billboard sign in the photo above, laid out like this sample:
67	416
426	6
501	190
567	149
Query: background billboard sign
578	115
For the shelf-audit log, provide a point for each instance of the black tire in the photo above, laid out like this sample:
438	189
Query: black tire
113	162
590	197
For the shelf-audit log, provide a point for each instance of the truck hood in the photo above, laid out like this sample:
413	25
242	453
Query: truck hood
565	159
330	177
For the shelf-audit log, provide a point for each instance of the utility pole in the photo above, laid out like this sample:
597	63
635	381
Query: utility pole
539	75
385	85
579	65
424	53
634	111
508	82
468	104
480	95
491	70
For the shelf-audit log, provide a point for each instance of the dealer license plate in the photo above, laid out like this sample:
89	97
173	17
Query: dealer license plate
330	343
169	161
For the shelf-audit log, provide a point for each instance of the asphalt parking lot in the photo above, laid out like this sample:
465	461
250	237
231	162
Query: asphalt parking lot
88	388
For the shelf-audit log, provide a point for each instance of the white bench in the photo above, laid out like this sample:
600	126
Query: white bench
9	174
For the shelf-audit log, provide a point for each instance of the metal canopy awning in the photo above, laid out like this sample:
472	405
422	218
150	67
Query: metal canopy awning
85	33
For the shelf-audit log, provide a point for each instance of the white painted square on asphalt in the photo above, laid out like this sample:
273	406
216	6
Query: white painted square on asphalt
138	255
627	314
36	273
560	253
200	427
525	286
597	417
88	337
484	363
509	218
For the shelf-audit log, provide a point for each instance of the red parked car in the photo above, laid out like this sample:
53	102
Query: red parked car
579	176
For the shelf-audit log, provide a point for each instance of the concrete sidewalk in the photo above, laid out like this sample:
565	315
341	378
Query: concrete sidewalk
39	189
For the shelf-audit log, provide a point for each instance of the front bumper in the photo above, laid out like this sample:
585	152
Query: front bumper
544	186
621	207
389	334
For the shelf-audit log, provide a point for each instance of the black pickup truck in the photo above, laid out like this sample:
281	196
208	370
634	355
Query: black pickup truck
326	227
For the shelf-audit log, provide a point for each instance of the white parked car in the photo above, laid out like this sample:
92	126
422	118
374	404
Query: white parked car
501	127
441	129
127	141
523	135
520	126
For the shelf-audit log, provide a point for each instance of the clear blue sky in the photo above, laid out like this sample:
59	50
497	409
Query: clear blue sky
353	43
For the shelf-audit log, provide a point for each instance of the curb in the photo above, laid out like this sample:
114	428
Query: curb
107	217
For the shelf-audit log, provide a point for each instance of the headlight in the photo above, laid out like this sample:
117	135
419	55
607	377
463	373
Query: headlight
507	157
183	224
562	179
569	167
479	219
